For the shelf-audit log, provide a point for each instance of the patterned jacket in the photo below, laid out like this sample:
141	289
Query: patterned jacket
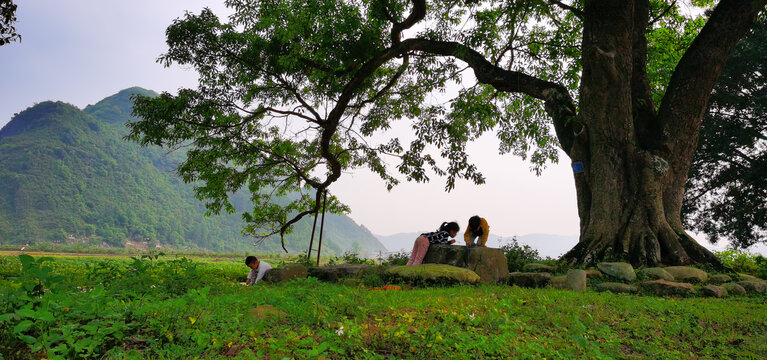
438	237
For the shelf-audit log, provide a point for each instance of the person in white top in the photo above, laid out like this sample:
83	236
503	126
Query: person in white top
257	269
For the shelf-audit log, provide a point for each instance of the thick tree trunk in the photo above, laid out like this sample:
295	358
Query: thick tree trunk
622	144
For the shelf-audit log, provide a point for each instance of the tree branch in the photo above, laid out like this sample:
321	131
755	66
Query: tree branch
575	11
559	104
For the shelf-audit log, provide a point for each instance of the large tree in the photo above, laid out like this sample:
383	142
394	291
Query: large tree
291	92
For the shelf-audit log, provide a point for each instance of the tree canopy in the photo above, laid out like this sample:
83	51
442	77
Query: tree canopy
292	92
7	22
727	195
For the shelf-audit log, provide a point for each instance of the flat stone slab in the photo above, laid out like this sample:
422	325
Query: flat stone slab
713	291
663	287
720	279
593	273
686	273
533	280
617	287
335	272
618	270
734	289
656	273
754	287
747	277
434	272
535	267
286	273
489	263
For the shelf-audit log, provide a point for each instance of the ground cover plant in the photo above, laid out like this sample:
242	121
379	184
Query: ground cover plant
169	307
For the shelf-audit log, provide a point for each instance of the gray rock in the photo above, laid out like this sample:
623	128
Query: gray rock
686	273
618	270
335	272
434	272
713	291
534	280
576	280
663	287
489	263
286	273
656	273
617	287
535	267
720	279
734	289
559	282
753	287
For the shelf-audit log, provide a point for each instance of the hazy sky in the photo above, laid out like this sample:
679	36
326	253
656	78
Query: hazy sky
82	51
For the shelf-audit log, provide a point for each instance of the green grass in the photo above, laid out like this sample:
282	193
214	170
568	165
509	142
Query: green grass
180	308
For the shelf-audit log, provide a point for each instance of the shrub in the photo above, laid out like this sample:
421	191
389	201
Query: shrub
350	257
395	258
518	255
744	262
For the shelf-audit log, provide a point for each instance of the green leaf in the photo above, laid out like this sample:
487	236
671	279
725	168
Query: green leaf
26	313
22	326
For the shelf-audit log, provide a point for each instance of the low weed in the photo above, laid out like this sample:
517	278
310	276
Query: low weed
61	308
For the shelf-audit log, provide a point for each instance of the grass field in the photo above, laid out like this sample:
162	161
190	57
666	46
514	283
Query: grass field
71	307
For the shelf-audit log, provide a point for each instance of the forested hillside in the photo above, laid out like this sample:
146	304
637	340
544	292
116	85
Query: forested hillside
68	176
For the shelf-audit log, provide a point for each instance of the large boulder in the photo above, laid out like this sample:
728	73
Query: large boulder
489	263
617	287
535	267
335	272
713	291
734	289
618	270
663	287
434	273
534	280
656	273
686	273
754	287
286	273
720	279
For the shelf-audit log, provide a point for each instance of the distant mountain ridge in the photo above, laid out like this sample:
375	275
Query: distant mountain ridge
67	175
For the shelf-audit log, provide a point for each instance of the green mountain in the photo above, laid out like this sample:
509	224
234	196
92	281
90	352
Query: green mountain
67	175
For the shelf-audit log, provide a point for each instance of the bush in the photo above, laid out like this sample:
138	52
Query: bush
518	255
744	262
350	257
395	258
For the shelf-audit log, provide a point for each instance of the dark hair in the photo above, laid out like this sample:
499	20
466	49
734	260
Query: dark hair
250	259
474	222
449	226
